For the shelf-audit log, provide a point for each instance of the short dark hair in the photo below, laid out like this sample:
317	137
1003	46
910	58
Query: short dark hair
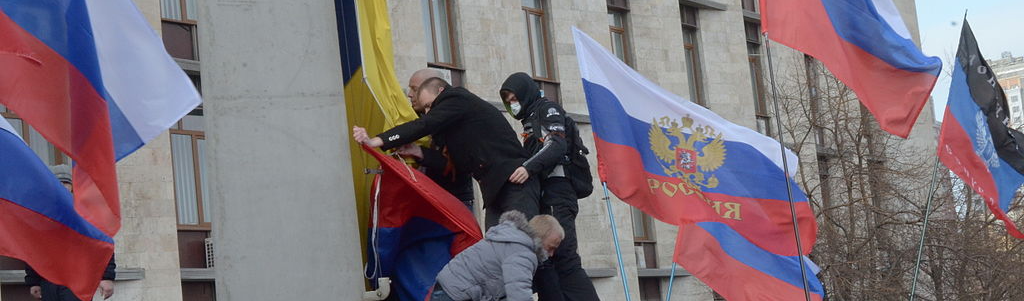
434	83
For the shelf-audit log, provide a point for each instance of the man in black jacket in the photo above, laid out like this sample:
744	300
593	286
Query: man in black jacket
40	288
434	160
544	126
478	140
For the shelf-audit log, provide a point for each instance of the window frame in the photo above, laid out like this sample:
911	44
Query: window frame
203	224
756	68
185	21
453	46
183	4
546	40
622	31
694	71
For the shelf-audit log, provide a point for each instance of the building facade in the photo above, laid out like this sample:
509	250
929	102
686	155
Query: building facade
1010	72
708	51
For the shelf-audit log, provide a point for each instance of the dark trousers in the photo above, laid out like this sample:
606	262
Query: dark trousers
562	277
53	292
524	198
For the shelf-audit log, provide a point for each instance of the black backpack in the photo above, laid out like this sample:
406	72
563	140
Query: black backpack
577	169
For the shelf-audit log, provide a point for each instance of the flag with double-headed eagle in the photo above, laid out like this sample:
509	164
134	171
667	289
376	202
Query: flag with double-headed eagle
722	183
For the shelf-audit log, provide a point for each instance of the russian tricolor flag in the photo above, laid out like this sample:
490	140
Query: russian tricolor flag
722	183
867	46
975	143
94	79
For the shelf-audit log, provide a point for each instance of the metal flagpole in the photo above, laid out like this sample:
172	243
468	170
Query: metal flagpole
615	236
924	229
671	277
785	167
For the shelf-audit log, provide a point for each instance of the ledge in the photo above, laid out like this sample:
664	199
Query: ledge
18	276
705	4
197	275
751	16
601	272
187	65
661	273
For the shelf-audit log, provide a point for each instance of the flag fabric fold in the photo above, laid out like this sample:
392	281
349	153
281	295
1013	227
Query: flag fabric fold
94	79
419	228
722	183
975	142
865	44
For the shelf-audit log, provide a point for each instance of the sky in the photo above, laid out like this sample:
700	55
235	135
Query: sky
998	26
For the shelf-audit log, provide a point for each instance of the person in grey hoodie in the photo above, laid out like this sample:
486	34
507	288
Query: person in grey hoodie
501	266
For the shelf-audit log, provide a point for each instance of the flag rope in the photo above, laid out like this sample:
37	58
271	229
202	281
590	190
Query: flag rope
924	228
615	237
785	167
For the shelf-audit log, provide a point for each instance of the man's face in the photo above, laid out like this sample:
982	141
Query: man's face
551	243
413	94
424	98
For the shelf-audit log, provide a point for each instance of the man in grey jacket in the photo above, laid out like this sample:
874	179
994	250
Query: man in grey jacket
501	266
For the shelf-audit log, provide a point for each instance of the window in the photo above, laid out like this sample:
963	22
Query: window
750	5
179	28
753	33
692	52
188	153
46	151
650	289
442	51
538	35
537	32
811	68
617	11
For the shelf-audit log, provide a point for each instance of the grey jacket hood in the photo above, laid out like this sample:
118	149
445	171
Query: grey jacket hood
513	228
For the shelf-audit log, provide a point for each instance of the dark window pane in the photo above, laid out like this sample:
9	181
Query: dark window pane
753	32
689	15
750	5
179	40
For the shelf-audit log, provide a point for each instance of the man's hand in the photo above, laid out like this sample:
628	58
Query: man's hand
519	176
36	292
107	288
411	150
359	134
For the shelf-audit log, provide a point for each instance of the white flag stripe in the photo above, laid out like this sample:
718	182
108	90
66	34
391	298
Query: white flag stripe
144	81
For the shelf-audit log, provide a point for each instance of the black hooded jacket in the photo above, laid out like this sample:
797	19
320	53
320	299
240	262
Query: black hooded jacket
477	138
543	125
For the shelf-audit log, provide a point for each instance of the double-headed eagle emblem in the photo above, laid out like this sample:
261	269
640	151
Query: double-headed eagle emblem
688	152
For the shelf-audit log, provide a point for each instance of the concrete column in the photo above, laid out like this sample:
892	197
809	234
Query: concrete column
278	150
